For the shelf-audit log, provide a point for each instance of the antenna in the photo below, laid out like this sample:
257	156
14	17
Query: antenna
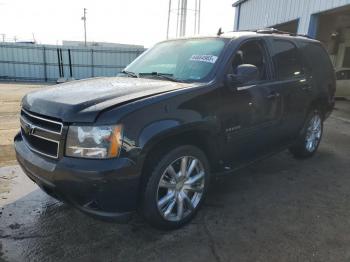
220	32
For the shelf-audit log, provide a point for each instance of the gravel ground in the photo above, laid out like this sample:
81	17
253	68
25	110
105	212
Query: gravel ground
280	209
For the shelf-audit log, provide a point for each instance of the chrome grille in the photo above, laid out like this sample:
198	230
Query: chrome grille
41	135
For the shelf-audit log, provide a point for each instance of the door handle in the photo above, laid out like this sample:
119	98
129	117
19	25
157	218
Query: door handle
306	87
273	95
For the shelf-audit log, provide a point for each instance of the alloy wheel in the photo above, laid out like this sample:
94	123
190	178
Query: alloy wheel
180	188
314	132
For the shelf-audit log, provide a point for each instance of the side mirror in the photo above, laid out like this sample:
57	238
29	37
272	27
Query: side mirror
244	74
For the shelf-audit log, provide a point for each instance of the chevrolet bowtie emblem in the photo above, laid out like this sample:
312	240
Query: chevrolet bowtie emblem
29	129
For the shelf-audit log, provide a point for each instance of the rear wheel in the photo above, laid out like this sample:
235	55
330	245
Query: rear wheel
176	188
310	138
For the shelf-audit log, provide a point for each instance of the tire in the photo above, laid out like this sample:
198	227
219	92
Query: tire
171	199
310	137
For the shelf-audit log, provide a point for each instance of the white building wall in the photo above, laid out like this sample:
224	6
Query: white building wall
255	14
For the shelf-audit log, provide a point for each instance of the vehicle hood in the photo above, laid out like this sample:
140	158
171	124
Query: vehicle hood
83	100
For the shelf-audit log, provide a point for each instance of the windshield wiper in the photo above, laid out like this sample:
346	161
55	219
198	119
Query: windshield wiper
166	76
129	73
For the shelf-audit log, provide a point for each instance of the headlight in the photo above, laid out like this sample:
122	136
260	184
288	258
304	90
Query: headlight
94	141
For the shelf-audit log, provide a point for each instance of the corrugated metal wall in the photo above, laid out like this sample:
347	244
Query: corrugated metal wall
41	63
255	14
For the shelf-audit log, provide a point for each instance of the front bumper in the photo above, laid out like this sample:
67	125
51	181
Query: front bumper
103	188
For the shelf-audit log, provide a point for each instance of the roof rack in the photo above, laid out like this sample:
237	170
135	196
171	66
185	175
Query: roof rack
268	30
276	31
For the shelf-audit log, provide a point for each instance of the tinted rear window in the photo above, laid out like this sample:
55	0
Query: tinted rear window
316	58
286	59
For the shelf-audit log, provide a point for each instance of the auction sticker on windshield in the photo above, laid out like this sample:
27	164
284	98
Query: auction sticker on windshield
204	58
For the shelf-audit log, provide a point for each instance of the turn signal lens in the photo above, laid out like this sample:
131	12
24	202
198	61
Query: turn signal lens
115	142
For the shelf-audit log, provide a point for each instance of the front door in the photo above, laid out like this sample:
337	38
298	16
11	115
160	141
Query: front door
249	111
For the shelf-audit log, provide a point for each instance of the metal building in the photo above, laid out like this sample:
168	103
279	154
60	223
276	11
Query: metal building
325	20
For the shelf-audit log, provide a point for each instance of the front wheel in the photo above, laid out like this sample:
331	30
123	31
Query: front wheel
310	138
176	188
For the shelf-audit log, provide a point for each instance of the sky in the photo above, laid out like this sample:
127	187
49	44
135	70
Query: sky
129	21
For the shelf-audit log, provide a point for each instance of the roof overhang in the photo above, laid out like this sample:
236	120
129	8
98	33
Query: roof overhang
237	3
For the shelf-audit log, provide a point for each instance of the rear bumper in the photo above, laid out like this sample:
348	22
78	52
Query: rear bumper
329	108
103	188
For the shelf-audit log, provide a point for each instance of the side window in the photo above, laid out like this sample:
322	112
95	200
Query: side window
252	53
316	59
286	59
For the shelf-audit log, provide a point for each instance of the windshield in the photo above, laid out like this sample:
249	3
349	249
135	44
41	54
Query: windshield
183	60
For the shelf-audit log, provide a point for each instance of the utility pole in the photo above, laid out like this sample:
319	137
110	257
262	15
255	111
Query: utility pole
184	10
195	16
84	19
169	13
182	13
183	17
199	17
3	37
178	18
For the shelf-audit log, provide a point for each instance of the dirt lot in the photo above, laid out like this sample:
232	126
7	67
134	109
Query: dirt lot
10	98
278	210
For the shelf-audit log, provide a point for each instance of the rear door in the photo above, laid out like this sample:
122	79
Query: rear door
294	86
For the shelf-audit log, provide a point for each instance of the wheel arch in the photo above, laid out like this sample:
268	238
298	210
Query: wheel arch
179	135
320	103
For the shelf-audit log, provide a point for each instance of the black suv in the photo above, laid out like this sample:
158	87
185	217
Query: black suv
184	112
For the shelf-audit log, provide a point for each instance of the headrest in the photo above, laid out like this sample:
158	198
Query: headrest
252	55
